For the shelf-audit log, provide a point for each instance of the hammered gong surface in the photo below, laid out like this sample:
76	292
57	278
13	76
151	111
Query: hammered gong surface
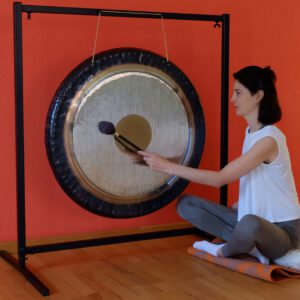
119	95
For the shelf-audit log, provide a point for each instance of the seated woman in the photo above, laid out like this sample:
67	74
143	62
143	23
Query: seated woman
266	223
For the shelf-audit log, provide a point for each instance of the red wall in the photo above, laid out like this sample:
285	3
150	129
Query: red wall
54	44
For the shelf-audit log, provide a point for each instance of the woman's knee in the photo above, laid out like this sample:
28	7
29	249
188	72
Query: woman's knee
187	206
183	205
249	226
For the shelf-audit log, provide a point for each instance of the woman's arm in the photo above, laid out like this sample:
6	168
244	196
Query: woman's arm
264	150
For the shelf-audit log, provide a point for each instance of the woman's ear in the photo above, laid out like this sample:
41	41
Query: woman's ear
259	95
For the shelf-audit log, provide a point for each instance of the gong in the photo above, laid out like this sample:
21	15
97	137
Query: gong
151	103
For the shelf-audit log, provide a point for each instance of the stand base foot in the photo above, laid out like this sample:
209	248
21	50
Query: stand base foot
25	272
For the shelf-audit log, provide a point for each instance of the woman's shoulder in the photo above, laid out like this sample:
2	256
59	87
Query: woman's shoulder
266	131
272	130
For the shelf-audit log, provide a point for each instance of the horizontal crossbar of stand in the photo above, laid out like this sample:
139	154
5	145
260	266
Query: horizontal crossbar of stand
118	13
112	240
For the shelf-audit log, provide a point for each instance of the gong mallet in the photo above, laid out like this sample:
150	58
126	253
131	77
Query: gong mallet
106	127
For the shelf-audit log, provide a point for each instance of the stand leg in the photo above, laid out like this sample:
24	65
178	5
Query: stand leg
25	272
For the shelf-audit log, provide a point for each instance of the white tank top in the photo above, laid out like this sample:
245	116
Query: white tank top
269	190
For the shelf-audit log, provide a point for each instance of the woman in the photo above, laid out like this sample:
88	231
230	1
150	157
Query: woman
266	223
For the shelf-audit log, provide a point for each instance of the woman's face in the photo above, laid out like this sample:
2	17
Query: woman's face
245	104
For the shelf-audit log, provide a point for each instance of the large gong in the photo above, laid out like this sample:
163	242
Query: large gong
152	103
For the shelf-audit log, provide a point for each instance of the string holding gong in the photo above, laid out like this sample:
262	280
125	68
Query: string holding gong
151	103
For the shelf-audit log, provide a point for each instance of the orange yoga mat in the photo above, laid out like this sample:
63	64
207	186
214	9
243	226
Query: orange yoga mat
271	273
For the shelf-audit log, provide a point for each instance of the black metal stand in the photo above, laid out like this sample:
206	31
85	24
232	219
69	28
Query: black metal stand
19	263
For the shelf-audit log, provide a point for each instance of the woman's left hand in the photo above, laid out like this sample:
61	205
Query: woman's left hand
156	162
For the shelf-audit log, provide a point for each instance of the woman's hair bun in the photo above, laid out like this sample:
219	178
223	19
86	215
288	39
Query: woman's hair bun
269	73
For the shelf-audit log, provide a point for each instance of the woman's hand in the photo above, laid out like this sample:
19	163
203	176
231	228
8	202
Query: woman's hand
235	205
156	162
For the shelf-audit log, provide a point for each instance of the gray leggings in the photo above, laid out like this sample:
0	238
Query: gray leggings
271	239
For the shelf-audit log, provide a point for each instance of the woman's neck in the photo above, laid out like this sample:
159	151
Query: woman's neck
254	125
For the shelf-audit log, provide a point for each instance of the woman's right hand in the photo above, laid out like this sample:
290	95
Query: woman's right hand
235	205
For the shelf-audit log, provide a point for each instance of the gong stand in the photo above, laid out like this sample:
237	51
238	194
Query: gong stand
20	262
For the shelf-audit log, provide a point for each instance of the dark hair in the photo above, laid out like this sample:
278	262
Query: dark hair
255	78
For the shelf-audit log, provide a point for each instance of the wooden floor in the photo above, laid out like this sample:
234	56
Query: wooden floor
148	270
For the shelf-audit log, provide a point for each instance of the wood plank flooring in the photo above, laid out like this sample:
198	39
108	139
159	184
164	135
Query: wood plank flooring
156	269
